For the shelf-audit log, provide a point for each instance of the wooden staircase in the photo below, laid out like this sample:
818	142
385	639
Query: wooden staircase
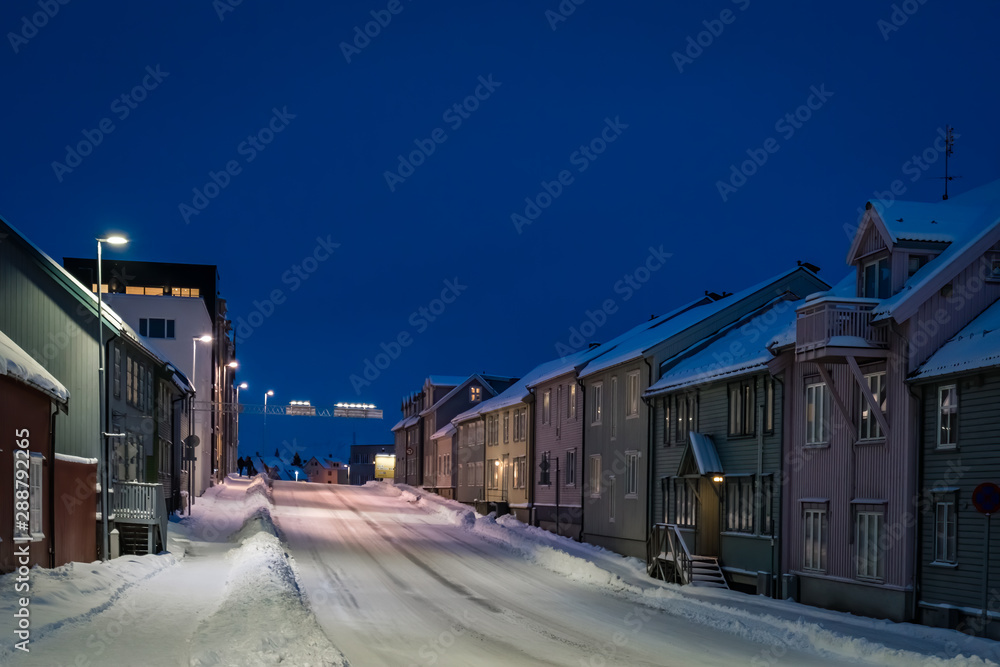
668	558
140	514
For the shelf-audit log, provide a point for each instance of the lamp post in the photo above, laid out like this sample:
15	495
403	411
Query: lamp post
194	382
101	426
224	455
242	385
270	392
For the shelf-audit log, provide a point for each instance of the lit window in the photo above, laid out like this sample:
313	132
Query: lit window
741	408
475	394
571	405
739	504
596	403
547	406
632	395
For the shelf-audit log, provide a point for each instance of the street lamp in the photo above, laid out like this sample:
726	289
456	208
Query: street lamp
224	453
103	443
270	392
194	383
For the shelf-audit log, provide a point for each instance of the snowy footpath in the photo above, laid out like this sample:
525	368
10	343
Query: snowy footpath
313	575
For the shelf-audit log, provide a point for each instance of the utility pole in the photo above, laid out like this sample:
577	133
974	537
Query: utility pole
949	148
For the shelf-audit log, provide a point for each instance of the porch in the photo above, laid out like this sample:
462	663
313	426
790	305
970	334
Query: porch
836	327
140	514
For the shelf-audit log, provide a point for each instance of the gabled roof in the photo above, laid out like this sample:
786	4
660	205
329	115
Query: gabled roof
702	450
405	422
969	222
974	348
18	365
674	323
737	350
446	380
484	380
443	432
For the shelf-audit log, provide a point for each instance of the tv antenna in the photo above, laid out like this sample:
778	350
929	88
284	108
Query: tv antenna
949	143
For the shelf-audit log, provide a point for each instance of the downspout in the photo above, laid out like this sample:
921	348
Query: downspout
915	550
650	448
583	453
530	456
52	485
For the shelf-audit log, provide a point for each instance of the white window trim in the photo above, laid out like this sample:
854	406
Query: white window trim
947	501
613	407
821	518
955	409
612	509
595	489
36	498
571	407
597	404
629	397
820	416
547	407
632	459
873	422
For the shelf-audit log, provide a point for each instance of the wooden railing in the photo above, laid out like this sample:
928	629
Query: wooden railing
667	555
848	319
142	503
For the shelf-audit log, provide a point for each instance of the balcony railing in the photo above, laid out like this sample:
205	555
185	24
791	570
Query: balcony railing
141	503
838	322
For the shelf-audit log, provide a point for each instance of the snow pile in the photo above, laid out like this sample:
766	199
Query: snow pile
76	592
780	625
263	618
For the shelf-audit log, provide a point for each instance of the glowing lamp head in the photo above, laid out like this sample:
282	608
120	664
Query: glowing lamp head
233	364
270	392
718	479
116	240
205	339
243	385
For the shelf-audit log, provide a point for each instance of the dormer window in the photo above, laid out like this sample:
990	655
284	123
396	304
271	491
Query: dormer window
876	279
915	263
994	265
475	394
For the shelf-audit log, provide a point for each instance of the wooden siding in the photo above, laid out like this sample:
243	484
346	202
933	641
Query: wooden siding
470	451
58	331
511	449
738	456
563	434
975	460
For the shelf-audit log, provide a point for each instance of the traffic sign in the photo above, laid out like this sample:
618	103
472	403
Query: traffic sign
986	498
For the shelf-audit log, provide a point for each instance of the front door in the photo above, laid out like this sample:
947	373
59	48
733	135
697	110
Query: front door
707	537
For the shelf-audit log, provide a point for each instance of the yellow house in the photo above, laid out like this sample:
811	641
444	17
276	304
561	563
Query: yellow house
508	450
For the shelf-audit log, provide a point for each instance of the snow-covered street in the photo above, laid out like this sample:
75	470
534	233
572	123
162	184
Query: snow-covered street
384	575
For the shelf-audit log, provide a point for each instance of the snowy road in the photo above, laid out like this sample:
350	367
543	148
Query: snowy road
394	584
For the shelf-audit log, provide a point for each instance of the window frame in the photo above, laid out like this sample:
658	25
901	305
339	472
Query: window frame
815	549
742	405
865	567
595	475
571	405
817	434
613	407
953	412
545	476
948	501
683	501
632	474
739	504
547	406
612	504
632	395
475	394
597	404
569	479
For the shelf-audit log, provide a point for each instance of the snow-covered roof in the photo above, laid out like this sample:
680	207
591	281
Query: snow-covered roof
284	470
673	323
447	380
925	221
706	456
739	349
445	431
405	422
18	365
484	380
970	222
975	347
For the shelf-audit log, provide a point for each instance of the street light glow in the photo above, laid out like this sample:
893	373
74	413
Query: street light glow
114	240
270	392
243	385
233	364
204	339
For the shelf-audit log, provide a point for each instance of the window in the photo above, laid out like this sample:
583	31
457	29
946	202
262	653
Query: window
631	474
915	263
945	535
816	411
613	406
595	476
492	430
571	468
493	479
947	426
475	394
767	505
876	279
868	532
769	404
596	403
520	421
520	472
814	537
632	395
666	419
547	406
116	381
868	426
156	327
741	408
687	416
739	504
684	494
571	404
506	427
545	470
28	495
611	499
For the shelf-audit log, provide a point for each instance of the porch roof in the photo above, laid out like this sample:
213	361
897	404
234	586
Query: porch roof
706	456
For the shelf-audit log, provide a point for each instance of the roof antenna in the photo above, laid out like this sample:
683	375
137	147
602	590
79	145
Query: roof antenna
949	142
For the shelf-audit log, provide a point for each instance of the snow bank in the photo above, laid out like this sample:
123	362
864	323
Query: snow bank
263	618
778	624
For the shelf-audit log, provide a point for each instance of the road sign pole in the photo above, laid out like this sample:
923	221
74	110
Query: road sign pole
986	576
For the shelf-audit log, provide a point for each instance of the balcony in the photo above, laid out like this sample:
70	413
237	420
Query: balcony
837	326
140	512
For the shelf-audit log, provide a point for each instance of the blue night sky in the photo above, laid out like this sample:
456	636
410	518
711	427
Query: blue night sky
600	102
